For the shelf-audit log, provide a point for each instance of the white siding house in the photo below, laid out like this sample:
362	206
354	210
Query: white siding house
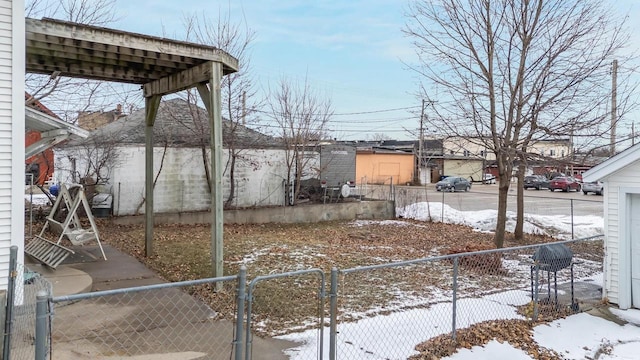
181	136
621	177
12	77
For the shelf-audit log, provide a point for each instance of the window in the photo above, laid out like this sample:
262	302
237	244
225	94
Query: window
552	152
466	153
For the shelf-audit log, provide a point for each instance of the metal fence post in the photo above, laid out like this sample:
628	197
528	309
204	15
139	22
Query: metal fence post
42	299
455	295
535	292
442	208
11	290
572	219
333	314
242	283
247	338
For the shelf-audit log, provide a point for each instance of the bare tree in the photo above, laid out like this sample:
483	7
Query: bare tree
301	116
510	73
378	137
89	161
239	99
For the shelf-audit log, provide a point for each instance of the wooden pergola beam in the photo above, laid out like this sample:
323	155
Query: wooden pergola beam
182	80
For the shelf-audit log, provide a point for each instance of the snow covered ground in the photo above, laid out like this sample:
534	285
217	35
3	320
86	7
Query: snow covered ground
557	226
395	335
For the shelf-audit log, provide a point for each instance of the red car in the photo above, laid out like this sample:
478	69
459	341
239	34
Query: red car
564	183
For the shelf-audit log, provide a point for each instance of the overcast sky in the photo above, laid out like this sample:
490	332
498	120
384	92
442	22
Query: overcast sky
352	51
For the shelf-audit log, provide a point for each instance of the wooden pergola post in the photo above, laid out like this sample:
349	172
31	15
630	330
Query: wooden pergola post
151	105
211	98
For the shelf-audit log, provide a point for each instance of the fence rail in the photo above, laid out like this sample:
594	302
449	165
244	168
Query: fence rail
419	308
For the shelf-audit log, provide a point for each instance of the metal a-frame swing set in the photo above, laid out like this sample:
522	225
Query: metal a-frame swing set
51	252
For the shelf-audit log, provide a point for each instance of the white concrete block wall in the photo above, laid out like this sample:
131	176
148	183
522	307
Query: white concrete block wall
182	185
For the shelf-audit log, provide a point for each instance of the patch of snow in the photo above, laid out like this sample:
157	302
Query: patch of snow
580	336
557	226
395	335
631	315
360	223
37	199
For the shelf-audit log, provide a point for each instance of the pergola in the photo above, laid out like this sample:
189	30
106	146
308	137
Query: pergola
162	66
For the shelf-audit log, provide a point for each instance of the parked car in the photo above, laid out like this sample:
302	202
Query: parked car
535	182
595	187
488	179
453	183
564	183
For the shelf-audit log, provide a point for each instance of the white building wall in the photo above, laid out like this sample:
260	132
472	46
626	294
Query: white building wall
625	178
551	149
467	169
182	185
12	65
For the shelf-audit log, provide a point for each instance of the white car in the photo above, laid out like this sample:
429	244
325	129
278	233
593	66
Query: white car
488	179
596	187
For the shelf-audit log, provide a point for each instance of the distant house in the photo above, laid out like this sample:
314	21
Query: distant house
181	162
40	165
544	149
91	120
621	177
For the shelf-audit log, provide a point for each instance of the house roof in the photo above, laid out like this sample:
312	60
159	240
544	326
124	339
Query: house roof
383	151
178	123
52	129
613	164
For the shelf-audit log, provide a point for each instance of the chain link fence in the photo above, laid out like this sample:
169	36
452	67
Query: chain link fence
288	302
426	308
24	285
161	318
420	309
536	202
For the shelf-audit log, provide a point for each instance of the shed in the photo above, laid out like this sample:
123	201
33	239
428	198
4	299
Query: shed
621	226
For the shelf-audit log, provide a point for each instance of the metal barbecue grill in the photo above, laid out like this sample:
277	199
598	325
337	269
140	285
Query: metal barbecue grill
551	259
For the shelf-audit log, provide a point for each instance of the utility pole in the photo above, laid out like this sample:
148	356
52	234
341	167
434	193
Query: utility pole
614	110
419	169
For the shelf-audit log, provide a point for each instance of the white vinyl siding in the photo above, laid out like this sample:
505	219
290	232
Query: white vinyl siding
627	177
5	137
12	64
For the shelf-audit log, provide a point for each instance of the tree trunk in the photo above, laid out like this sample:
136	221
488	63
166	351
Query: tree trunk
232	181
518	233
205	162
503	194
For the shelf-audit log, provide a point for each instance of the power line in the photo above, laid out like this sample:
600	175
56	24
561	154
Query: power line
349	113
